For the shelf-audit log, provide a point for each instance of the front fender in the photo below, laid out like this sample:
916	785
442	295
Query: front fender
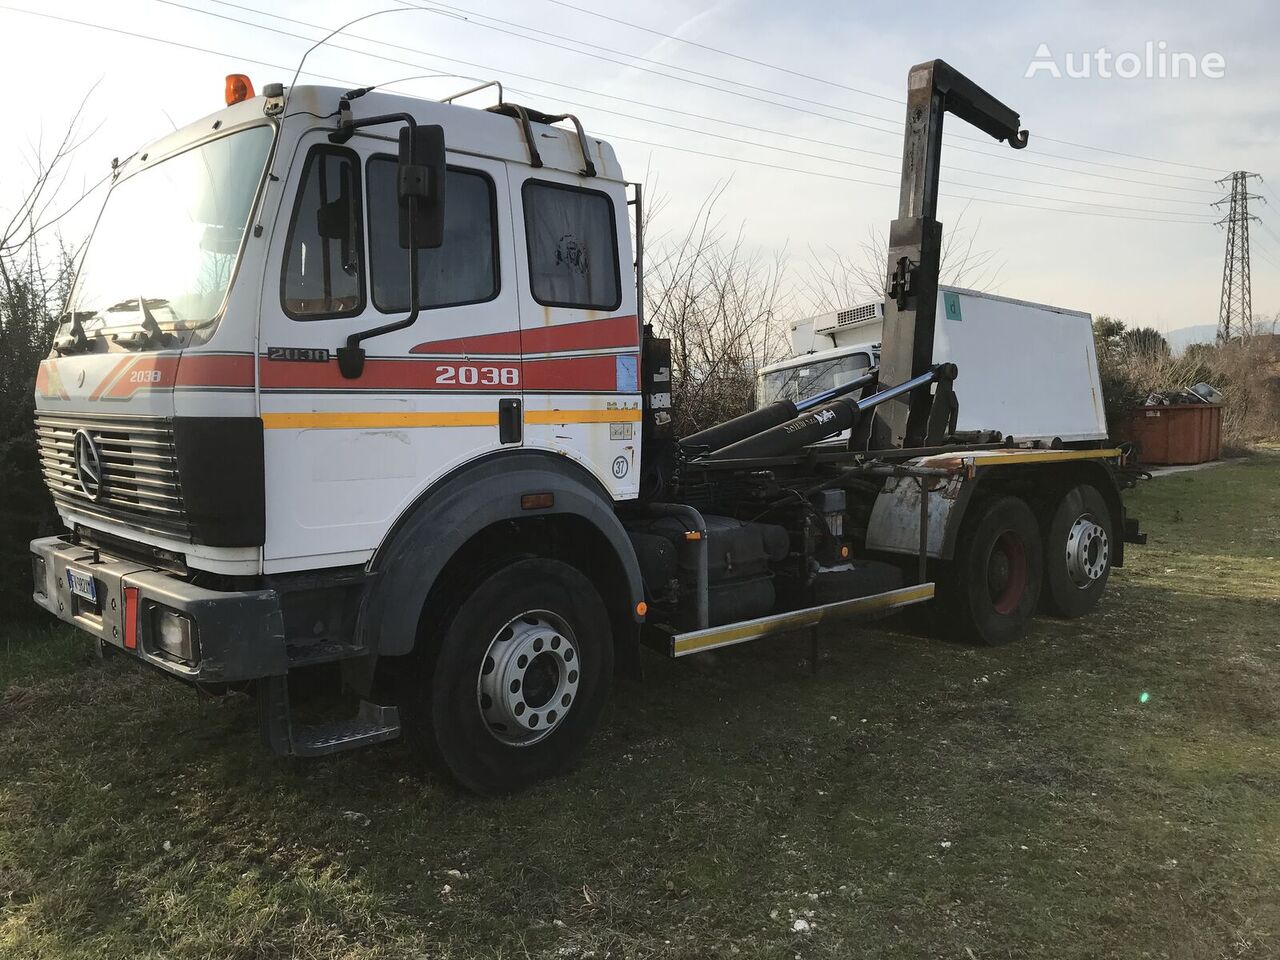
457	508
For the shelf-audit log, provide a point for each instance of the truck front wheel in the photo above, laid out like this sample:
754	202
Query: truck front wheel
994	583
522	676
1077	553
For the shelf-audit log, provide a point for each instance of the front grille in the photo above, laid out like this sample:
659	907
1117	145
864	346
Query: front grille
140	471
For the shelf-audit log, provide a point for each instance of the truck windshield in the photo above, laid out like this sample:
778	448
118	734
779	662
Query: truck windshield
168	238
805	379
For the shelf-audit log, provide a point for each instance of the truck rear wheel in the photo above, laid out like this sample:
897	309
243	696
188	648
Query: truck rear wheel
1077	553
995	580
521	678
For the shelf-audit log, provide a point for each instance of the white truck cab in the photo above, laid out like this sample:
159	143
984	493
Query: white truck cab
256	246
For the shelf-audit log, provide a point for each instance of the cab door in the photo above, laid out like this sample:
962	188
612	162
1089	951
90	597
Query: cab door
345	457
580	336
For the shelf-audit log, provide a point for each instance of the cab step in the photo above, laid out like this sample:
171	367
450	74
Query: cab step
322	651
372	724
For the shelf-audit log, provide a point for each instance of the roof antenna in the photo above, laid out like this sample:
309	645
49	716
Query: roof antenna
333	33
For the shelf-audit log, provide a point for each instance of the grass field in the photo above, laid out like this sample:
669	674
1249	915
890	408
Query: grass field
916	798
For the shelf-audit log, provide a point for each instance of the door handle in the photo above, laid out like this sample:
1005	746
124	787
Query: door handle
510	421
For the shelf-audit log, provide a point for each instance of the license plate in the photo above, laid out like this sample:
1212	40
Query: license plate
82	585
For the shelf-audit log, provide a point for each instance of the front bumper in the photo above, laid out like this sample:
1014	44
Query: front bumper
239	634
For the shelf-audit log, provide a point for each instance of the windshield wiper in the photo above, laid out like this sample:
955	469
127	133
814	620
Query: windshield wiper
151	335
76	341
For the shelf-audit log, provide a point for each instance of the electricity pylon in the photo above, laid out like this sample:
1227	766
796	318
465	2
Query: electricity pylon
1235	312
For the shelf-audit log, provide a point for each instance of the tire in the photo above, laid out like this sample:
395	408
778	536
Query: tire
994	583
522	676
1077	553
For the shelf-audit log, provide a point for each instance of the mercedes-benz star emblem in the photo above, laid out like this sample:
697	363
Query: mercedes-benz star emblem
88	461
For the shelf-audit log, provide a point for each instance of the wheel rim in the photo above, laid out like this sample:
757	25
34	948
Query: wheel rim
528	679
1088	551
1007	572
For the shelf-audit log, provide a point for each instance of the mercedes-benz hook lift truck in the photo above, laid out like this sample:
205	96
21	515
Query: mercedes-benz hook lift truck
363	380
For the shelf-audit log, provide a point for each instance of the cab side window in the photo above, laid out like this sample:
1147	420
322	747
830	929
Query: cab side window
573	246
324	254
464	269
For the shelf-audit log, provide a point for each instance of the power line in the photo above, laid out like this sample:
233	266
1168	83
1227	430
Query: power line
511	73
171	43
1267	227
631	64
724	53
828	143
1263	254
890	186
480	66
502	26
834	83
1131	156
196	48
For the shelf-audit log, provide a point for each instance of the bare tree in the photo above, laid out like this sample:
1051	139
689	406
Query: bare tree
839	280
721	305
35	271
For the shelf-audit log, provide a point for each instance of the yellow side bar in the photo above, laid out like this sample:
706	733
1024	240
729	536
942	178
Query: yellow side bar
958	459
697	641
1042	456
462	418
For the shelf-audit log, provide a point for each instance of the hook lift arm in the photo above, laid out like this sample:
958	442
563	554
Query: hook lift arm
915	238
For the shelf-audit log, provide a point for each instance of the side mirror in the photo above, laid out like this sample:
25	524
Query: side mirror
421	186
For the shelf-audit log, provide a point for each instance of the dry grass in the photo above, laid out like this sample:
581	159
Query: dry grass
1246	371
916	798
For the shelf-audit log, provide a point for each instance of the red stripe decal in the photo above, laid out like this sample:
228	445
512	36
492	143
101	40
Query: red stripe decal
588	374
585	335
391	375
572	373
215	370
110	377
508	342
147	373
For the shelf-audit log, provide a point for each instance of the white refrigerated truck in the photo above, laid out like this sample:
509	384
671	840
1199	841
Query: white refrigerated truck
1027	370
356	382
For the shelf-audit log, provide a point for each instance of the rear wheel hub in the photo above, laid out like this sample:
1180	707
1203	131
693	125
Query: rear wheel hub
1007	572
1088	551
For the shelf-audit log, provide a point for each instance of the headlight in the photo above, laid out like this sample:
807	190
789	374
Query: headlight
174	635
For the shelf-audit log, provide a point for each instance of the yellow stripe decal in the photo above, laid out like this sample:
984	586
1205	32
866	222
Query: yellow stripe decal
368	421
581	416
766	626
461	418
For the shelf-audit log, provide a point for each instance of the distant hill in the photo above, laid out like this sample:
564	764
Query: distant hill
1183	337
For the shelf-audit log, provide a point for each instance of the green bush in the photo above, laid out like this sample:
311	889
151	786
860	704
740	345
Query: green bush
29	301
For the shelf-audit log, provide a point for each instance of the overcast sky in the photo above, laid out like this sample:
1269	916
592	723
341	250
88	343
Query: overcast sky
1147	270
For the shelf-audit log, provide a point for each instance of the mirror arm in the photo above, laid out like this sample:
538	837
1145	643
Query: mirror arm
351	356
